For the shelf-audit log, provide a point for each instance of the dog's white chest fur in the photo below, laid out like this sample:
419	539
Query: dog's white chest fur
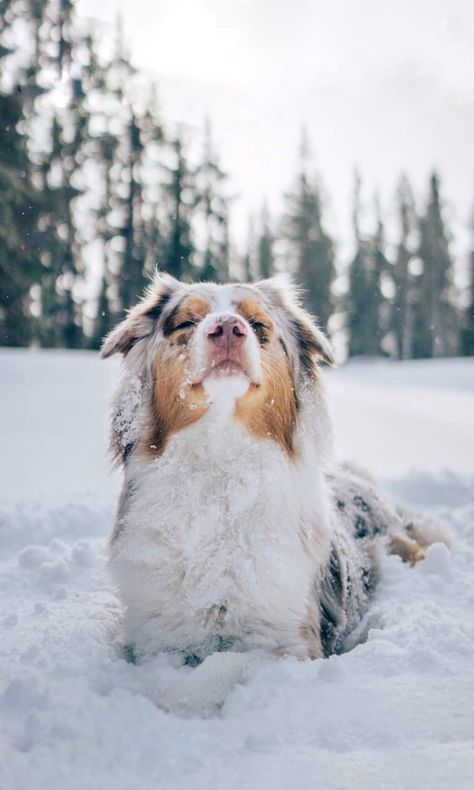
219	542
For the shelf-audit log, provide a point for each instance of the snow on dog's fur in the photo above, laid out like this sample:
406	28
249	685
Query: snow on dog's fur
233	530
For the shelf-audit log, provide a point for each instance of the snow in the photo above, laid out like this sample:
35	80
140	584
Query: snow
54	422
397	417
395	712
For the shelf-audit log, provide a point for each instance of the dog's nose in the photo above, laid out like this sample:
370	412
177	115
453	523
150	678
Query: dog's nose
227	332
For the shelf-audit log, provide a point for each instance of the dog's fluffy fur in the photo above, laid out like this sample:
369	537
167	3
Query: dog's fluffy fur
233	530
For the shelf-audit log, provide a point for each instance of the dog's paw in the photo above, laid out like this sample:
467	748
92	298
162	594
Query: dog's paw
406	548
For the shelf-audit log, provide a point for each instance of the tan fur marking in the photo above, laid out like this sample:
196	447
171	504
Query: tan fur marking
250	308
406	548
269	411
309	630
175	405
194	308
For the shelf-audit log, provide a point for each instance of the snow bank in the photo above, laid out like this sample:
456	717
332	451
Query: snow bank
396	417
54	425
395	712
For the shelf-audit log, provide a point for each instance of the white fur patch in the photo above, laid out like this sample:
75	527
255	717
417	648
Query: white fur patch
223	391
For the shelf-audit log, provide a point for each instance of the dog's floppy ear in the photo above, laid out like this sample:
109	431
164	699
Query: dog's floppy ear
311	340
141	319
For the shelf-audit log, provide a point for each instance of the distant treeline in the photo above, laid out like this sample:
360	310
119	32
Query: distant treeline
95	193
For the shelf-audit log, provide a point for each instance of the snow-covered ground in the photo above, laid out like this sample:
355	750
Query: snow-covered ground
395	712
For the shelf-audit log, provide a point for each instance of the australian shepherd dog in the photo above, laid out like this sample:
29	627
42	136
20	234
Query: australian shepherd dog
234	530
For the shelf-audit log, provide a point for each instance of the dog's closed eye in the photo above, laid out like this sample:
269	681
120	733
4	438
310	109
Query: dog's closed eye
260	328
188	324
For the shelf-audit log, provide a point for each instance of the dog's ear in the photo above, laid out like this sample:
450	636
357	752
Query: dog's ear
141	320
311	341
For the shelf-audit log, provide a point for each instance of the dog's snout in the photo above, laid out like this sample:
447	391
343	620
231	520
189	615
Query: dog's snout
227	332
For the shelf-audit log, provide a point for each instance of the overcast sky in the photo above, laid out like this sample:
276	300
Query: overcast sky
384	85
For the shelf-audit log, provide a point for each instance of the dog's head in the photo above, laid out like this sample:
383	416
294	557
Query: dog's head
192	344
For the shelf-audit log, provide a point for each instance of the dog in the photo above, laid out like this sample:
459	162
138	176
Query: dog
234	529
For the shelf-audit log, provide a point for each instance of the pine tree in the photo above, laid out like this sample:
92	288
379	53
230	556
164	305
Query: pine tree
248	264
381	269
436	319
365	315
104	154
20	201
265	244
311	250
108	125
126	189
362	341
132	275
258	262
213	205
154	142
180	199
19	209
467	331
402	308
127	150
